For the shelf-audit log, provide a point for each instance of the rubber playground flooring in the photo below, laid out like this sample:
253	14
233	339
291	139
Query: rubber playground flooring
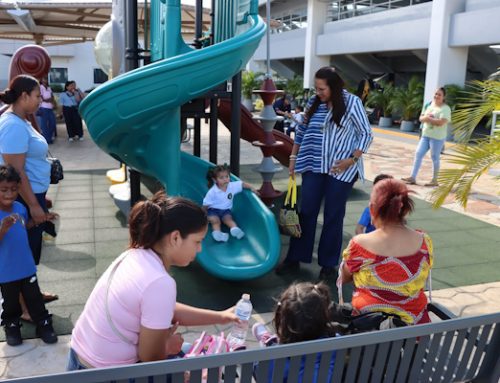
93	232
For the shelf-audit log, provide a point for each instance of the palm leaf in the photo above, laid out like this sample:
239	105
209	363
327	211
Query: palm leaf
473	161
476	102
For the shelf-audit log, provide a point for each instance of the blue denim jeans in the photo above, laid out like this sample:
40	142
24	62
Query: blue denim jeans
73	362
48	124
423	147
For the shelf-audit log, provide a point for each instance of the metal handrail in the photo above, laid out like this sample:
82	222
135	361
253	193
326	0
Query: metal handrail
344	9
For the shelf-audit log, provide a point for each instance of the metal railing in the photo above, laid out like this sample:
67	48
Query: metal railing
344	9
297	19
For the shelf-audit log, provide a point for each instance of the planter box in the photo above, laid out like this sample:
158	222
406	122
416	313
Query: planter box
385	122
247	103
407	126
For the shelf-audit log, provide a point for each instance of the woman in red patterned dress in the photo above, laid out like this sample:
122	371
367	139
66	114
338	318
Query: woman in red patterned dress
390	266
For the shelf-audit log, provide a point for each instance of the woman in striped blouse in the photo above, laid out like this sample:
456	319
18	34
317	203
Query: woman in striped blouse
327	152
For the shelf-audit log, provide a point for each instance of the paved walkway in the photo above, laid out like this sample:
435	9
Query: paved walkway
93	233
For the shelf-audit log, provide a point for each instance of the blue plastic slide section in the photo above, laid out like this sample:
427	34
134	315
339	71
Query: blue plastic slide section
135	118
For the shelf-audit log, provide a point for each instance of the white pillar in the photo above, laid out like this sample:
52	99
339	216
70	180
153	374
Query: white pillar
316	18
445	65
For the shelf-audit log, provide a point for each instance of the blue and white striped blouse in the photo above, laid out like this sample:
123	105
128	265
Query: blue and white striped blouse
322	142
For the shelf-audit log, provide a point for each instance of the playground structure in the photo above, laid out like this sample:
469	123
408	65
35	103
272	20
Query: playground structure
32	60
136	119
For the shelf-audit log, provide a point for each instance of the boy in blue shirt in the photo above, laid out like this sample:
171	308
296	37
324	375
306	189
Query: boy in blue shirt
365	221
17	267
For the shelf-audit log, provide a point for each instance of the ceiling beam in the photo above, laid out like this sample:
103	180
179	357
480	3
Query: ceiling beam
80	13
23	18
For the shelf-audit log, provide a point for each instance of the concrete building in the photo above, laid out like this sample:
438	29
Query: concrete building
443	41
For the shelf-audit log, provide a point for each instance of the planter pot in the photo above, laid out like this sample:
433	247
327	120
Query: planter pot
385	122
407	126
247	103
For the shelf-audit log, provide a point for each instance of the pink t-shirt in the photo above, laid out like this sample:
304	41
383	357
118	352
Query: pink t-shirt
46	94
141	293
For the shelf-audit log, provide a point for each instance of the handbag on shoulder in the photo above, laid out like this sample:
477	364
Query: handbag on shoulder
289	215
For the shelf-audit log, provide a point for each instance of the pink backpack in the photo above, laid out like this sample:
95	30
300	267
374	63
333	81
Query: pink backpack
208	345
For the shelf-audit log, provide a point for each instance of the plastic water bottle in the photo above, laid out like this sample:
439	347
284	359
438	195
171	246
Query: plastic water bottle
239	331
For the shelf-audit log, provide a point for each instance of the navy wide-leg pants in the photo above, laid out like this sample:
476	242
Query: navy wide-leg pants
315	188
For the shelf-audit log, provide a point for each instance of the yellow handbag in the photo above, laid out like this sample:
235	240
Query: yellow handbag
289	215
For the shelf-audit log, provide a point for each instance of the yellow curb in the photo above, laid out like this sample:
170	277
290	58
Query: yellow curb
449	145
396	133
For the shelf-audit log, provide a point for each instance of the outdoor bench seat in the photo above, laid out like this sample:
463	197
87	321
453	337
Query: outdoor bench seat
455	350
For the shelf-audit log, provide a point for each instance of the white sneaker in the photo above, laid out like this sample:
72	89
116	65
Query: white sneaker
219	236
70	139
263	335
80	139
237	232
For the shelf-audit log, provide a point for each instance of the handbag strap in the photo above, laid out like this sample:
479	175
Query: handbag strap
291	195
108	314
339	284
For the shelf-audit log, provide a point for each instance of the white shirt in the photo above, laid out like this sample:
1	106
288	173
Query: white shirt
220	199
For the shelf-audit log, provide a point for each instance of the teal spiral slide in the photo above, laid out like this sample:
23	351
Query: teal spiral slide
135	118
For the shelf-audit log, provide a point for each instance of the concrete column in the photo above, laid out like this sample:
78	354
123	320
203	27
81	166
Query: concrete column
316	18
445	65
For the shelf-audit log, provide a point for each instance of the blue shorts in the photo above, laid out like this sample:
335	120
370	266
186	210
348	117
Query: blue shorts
221	213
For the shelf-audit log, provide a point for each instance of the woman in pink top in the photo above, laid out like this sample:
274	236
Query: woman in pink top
132	314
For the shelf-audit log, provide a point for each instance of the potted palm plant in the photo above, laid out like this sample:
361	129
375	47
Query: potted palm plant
408	100
249	83
295	88
381	98
471	159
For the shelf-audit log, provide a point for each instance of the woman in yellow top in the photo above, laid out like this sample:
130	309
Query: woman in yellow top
434	118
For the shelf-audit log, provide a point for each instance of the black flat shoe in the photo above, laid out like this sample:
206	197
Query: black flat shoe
327	273
287	268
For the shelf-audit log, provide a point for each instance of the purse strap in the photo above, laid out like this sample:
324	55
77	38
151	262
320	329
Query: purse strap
291	195
108	314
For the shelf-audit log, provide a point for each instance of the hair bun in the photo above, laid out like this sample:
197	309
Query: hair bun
8	96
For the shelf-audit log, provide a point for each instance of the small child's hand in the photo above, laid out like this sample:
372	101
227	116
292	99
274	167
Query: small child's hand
7	223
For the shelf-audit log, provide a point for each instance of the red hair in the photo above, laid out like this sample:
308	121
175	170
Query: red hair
390	201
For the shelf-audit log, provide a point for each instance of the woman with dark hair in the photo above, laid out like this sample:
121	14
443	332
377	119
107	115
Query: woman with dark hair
434	118
26	150
70	99
132	314
327	152
390	266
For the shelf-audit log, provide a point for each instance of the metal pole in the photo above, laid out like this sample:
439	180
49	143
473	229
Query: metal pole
268	38
197	137
131	63
235	124
213	131
198	24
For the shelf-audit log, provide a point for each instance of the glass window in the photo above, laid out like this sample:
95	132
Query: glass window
99	76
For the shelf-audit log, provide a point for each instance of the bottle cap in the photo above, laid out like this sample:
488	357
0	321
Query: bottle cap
246	297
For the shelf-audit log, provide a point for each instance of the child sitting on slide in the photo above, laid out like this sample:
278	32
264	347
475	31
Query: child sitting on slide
219	202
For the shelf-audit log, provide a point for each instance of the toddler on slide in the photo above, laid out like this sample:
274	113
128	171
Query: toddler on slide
219	202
